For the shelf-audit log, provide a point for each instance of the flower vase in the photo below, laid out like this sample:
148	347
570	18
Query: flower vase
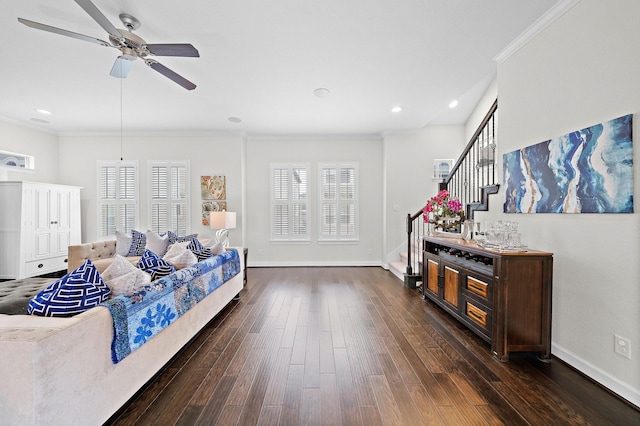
448	226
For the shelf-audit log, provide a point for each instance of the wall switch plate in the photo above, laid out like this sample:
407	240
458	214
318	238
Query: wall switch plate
622	346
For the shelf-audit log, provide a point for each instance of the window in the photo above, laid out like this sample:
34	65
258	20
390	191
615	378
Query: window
338	202
12	161
289	202
117	197
169	196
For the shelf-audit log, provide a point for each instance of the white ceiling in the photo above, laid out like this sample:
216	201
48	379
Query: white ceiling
260	61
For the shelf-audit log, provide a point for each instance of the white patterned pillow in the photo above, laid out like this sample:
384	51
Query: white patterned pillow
124	278
216	246
179	256
123	243
157	243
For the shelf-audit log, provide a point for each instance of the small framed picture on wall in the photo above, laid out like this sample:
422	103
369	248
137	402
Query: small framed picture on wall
442	168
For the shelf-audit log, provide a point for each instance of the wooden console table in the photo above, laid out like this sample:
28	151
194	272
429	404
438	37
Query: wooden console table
504	297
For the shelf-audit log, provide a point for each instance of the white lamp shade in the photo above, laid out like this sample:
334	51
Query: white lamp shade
222	220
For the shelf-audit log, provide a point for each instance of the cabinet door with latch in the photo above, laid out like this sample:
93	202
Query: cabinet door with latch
431	272
451	285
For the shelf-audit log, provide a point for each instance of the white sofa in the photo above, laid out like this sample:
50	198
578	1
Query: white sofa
59	371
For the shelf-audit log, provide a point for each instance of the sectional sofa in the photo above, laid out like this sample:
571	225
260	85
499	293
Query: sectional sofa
61	371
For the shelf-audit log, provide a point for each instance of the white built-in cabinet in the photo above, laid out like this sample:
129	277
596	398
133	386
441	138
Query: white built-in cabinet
38	222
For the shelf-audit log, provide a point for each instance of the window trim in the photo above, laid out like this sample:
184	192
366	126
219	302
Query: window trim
338	238
289	238
117	201
187	200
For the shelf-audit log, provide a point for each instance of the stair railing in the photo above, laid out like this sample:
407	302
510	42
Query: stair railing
474	176
472	179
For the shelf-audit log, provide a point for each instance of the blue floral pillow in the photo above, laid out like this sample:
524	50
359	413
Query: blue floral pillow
199	250
152	264
76	292
138	243
174	238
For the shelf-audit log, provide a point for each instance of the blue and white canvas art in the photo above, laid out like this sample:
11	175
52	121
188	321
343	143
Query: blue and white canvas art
586	171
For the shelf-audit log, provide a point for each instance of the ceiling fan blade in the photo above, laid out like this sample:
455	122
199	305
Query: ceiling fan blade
170	74
121	67
60	31
179	49
97	16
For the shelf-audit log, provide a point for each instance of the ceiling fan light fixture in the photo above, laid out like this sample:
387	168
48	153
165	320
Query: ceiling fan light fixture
121	67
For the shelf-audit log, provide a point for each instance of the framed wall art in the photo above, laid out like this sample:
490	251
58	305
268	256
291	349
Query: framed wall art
213	187
213	190
585	171
442	168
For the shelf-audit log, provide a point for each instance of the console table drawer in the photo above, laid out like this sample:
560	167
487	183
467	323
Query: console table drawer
478	316
478	287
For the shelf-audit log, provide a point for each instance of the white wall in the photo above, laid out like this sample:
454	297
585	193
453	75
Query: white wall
366	151
43	146
409	180
582	70
208	155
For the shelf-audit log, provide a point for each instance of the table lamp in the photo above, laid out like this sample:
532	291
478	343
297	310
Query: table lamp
222	221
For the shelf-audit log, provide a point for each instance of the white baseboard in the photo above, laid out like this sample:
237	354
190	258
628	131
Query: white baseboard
613	384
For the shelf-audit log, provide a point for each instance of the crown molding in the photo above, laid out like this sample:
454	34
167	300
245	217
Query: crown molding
543	22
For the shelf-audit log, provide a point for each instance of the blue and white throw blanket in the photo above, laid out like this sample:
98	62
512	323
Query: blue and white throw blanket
139	316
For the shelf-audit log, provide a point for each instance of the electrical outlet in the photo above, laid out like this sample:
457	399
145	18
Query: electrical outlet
622	346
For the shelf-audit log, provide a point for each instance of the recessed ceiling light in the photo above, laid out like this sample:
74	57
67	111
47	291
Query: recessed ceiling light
321	92
235	119
396	109
43	111
453	104
39	120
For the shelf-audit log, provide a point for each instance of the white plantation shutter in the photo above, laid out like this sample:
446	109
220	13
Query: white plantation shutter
117	197
338	202
289	199
169	192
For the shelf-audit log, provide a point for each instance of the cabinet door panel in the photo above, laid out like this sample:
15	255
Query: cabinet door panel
43	245
64	210
432	276
451	286
43	210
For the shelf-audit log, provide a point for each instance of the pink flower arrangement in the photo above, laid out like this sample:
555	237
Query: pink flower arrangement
442	205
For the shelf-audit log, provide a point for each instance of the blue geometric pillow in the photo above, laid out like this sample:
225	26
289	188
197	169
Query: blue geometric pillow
138	243
76	292
154	265
174	238
199	250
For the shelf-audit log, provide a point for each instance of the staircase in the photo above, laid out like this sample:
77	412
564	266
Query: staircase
399	267
472	179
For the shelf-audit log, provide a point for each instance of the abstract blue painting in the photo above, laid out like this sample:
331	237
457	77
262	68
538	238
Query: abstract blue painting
586	171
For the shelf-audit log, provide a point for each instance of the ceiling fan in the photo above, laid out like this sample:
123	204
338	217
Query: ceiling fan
130	45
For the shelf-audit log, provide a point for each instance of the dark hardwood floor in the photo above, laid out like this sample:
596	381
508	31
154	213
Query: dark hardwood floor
353	346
